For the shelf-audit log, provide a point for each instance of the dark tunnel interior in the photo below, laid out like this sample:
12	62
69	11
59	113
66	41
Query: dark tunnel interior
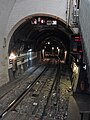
36	32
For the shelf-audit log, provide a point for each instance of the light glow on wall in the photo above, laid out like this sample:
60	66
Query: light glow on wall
12	56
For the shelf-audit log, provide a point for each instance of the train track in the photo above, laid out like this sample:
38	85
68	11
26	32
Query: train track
20	80
22	95
40	96
24	77
53	98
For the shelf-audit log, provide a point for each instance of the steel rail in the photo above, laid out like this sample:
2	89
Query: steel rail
49	95
16	101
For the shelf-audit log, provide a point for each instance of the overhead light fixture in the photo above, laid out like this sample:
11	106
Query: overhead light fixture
42	21
52	48
30	50
35	21
48	43
57	48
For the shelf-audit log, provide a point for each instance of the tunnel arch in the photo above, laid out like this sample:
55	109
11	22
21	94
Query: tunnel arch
55	40
24	35
24	20
39	34
29	17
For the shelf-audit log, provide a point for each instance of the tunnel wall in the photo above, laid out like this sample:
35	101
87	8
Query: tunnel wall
24	62
84	20
5	10
23	8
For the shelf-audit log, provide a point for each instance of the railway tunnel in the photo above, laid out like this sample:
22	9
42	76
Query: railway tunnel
34	42
38	37
47	66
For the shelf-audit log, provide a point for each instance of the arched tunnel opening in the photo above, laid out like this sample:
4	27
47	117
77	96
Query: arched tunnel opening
37	32
40	38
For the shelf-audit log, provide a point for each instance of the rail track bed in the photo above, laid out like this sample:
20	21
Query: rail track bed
41	96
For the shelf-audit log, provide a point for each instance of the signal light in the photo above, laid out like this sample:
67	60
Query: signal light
42	21
35	21
76	38
80	51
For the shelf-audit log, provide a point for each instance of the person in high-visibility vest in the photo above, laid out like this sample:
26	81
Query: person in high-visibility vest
75	76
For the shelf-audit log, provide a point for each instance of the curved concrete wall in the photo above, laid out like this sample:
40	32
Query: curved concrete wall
84	19
23	8
5	10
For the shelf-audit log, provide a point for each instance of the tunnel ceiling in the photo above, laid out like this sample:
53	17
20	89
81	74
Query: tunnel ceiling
36	31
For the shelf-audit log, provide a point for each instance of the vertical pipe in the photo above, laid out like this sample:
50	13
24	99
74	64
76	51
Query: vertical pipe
66	12
69	13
